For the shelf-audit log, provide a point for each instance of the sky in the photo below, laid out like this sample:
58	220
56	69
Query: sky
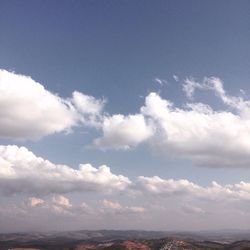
124	115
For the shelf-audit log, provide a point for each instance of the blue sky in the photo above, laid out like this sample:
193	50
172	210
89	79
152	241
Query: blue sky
116	50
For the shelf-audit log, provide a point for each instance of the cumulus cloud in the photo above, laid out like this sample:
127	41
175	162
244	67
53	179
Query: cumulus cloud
215	192
60	204
61	201
208	137
197	132
23	172
111	204
34	202
123	132
55	204
156	185
29	111
89	108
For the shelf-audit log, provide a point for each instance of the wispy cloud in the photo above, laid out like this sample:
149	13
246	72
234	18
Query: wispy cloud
160	81
176	78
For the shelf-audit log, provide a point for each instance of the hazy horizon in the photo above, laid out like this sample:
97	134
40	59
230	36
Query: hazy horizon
124	115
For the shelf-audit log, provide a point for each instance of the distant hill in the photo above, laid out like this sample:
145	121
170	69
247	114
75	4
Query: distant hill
125	240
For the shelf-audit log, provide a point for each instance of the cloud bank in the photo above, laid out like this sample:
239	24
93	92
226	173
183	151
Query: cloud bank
23	172
143	199
184	188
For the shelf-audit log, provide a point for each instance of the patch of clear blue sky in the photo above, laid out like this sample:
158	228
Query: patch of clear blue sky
114	49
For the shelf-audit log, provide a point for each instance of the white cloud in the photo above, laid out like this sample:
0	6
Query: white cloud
216	84
156	185
190	86
160	81
197	132
87	104
62	201
207	137
53	204
111	204
189	209
176	78
137	209
123	132
159	202
34	202
215	192
90	108
115	206
60	205
23	172
29	111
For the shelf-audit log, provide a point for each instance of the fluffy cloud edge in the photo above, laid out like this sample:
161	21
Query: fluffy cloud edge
207	137
23	172
29	111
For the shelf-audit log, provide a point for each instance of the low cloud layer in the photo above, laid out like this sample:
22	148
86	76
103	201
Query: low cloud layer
23	172
116	207
184	188
48	195
157	204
